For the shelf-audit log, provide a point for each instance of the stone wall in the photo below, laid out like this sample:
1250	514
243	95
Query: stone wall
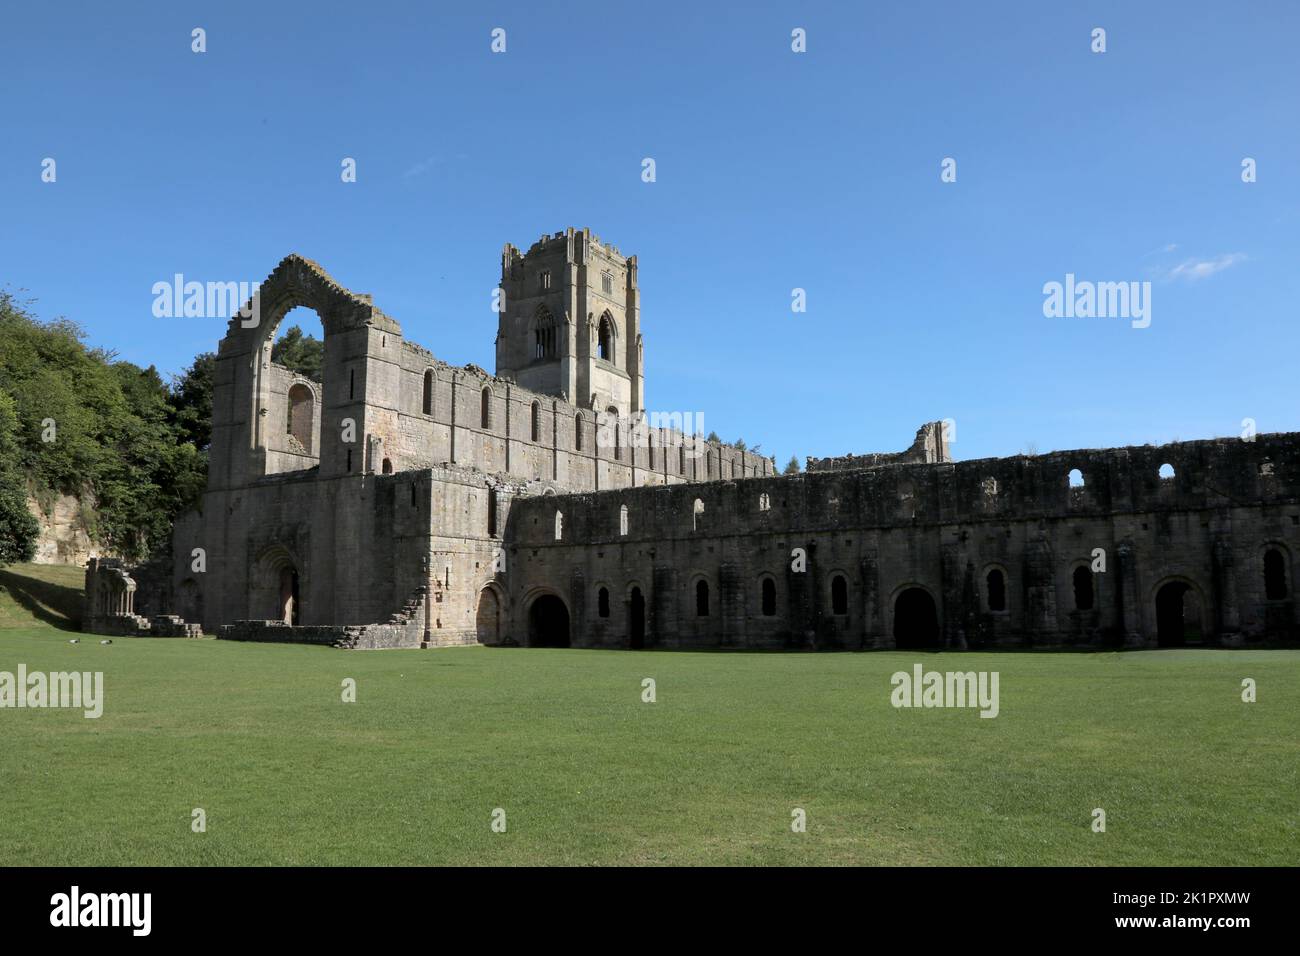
938	528
930	446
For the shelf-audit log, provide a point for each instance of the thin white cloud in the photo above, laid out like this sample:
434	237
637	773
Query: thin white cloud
420	168
1193	269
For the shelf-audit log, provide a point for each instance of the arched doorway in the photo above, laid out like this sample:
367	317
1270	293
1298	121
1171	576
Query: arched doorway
916	622
636	620
548	622
290	606
1178	615
488	621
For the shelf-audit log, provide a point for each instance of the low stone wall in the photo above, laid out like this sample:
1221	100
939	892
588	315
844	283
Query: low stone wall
278	632
406	628
169	625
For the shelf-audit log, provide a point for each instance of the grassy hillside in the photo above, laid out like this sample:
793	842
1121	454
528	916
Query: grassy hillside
258	737
36	593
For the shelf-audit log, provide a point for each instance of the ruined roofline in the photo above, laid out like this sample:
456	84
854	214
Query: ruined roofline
305	282
1083	458
930	446
285	282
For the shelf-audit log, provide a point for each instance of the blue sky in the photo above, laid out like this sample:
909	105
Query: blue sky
775	170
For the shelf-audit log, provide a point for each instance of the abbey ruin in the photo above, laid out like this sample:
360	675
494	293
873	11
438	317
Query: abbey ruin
404	502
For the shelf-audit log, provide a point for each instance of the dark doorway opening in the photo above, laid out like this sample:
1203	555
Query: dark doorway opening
548	622
290	606
916	622
1178	615
636	620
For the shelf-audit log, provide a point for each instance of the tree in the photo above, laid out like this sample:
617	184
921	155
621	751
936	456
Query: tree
81	423
713	437
300	353
191	401
18	528
792	467
739	443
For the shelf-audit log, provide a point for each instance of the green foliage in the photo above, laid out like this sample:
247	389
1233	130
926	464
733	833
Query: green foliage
739	443
18	528
191	400
792	466
713	437
301	353
87	425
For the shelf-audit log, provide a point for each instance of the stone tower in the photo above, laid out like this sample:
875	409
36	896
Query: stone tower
570	325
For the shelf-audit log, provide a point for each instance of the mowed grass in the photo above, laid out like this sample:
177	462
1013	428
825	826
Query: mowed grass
259	738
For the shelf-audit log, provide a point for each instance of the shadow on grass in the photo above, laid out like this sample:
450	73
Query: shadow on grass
53	604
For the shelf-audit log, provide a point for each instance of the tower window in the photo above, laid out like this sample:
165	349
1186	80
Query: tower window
606	338
602	602
544	334
544	279
701	598
622	519
577	432
537	422
427	404
606	282
485	408
769	597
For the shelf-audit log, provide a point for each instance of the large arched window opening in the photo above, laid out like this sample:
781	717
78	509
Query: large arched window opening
288	381
605	337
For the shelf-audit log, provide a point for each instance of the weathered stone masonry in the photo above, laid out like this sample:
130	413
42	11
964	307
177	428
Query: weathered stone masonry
404	502
1202	557
375	502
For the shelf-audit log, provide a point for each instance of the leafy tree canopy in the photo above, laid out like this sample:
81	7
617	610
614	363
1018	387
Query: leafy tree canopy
300	353
85	424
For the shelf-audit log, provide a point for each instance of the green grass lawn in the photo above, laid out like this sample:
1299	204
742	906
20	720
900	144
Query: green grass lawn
257	736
